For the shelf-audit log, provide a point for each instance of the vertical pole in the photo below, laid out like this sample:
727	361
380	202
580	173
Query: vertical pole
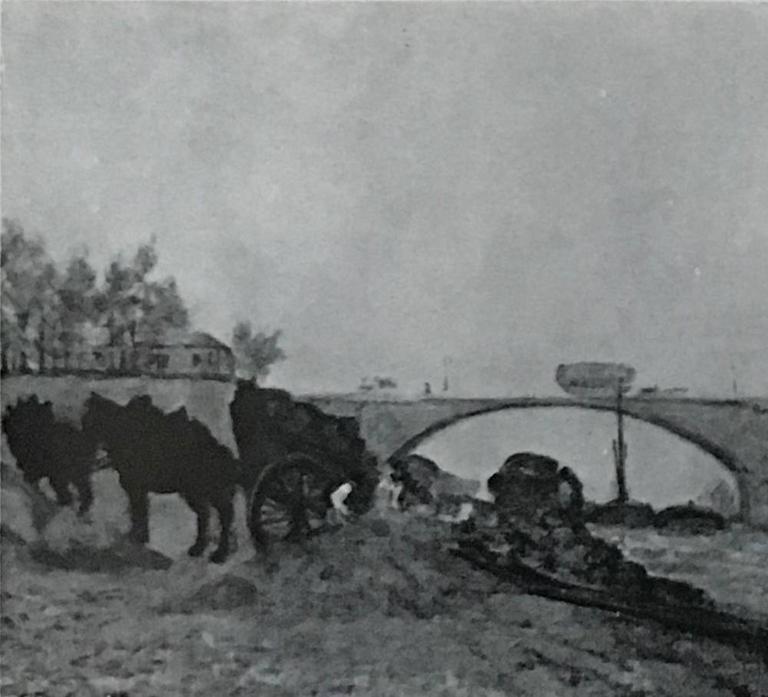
445	374
621	480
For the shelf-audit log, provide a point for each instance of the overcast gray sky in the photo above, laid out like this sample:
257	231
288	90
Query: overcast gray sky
512	185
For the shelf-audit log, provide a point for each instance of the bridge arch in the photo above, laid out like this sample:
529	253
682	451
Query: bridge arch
721	454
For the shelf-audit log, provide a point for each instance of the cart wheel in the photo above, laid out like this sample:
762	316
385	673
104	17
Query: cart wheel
289	501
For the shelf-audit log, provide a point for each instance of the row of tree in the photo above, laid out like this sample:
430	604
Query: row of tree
52	312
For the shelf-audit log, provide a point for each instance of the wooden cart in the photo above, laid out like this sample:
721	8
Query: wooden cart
294	457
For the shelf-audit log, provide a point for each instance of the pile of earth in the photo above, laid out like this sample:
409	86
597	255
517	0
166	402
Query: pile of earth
542	528
376	608
34	528
390	563
69	633
79	555
680	519
25	510
402	561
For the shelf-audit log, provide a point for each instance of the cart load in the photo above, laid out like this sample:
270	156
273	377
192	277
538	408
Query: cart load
540	543
539	506
294	457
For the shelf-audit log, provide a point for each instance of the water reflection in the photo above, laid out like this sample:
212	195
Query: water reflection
662	468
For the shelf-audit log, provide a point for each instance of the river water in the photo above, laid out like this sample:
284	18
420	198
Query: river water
662	468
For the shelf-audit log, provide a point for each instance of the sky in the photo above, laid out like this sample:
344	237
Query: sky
510	185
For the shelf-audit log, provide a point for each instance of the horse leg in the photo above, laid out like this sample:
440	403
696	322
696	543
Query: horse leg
203	512
34	480
138	501
85	493
60	485
225	509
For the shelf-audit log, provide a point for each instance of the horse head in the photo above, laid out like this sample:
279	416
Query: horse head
27	426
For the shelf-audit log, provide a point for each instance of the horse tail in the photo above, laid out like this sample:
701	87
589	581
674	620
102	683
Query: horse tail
243	479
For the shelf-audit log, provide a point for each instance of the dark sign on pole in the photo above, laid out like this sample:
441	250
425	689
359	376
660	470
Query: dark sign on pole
608	381
595	379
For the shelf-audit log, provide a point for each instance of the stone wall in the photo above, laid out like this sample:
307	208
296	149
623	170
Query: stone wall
205	400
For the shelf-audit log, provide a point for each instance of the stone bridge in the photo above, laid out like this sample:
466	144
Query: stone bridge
735	432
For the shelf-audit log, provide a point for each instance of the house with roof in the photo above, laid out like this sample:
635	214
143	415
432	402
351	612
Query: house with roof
177	354
187	354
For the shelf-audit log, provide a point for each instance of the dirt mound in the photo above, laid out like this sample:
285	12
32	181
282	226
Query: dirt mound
40	531
358	570
25	511
540	532
117	558
390	564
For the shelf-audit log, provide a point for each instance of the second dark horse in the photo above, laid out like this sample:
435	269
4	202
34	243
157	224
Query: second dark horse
155	452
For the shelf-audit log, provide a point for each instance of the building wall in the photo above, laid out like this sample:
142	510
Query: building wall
201	362
205	400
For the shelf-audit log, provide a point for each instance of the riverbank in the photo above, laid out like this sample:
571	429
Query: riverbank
731	565
377	608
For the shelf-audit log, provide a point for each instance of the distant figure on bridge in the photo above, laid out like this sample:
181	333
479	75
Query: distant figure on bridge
427	389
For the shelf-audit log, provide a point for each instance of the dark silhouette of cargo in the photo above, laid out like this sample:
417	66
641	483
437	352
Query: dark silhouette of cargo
628	514
294	456
689	519
528	484
47	448
542	545
540	521
166	453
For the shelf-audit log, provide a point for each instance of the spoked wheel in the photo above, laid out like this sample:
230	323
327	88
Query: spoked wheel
289	501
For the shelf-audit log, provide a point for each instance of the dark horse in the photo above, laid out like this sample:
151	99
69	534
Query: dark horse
166	453
44	447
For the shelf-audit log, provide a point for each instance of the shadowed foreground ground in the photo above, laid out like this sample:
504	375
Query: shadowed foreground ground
378	608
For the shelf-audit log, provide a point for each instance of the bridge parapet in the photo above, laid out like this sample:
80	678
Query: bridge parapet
734	432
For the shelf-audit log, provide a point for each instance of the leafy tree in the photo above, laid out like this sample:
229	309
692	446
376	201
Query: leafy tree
77	303
46	314
255	353
30	303
45	311
162	308
136	308
16	256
